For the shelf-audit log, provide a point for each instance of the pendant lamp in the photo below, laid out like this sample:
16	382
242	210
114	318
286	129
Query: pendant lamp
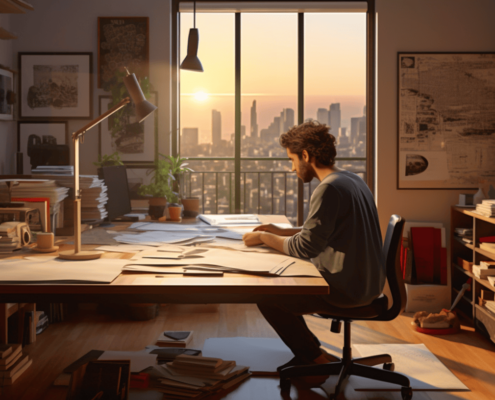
191	62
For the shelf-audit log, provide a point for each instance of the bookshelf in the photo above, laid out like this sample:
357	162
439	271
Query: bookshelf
469	306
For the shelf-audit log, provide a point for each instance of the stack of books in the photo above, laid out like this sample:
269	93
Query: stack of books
193	377
174	339
94	196
484	270
13	363
466	234
9	240
486	208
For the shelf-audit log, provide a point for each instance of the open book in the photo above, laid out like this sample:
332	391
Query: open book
229	219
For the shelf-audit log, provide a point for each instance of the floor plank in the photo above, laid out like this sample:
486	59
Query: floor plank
467	354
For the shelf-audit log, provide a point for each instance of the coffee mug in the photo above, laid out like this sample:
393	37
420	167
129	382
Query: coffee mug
45	240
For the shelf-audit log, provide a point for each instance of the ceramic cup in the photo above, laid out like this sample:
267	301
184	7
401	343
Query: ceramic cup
45	240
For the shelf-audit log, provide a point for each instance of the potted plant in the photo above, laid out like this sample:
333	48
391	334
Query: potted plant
159	189
178	167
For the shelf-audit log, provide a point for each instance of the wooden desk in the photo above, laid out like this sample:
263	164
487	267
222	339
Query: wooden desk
155	288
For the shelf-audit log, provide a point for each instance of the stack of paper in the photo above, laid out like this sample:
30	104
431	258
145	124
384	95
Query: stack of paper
230	219
486	208
190	377
93	196
484	270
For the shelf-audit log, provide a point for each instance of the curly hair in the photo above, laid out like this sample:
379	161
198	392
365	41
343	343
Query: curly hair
313	137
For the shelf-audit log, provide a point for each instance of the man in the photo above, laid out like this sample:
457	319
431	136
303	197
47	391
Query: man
341	236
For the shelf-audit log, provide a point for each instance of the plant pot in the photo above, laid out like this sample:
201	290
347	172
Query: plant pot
191	207
175	212
157	207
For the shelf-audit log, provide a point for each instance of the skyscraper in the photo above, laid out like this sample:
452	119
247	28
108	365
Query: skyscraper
288	119
322	115
334	117
216	127
190	138
254	121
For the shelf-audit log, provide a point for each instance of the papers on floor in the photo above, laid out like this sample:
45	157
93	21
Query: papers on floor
54	270
227	261
230	219
425	371
196	377
158	238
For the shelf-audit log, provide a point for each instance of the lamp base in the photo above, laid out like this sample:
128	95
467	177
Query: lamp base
80	256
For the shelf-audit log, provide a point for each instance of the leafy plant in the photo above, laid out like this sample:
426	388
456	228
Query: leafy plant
108	160
177	167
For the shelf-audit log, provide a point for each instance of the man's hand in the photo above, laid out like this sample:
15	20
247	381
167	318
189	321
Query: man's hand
270	228
252	238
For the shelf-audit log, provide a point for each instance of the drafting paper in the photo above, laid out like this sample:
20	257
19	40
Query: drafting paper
56	270
123	248
425	371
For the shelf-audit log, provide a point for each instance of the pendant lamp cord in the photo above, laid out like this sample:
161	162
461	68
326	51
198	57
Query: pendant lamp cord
194	14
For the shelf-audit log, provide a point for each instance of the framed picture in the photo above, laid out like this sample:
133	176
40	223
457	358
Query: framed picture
136	142
6	94
446	120
31	134
122	42
55	86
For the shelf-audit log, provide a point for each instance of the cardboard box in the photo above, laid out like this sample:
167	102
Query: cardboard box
464	264
430	298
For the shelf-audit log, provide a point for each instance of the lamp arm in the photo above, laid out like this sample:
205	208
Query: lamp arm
102	117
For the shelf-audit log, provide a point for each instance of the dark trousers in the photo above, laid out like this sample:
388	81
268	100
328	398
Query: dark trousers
285	313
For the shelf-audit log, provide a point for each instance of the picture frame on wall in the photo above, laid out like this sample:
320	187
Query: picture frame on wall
122	42
446	120
45	137
136	142
55	86
6	94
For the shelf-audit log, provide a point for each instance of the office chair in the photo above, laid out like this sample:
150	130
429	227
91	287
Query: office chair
376	311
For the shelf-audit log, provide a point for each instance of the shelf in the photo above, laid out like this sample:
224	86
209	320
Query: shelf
483	282
486	253
469	246
470	274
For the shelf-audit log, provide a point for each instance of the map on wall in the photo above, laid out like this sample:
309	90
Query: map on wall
446	120
122	42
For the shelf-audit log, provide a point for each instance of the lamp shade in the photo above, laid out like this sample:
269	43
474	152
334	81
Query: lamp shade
143	107
191	62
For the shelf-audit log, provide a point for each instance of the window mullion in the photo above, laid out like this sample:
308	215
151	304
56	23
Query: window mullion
300	107
237	142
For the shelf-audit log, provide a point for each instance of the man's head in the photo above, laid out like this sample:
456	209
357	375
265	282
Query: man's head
309	144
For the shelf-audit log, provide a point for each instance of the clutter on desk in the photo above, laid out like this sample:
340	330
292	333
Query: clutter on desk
230	219
14	235
189	377
13	363
174	338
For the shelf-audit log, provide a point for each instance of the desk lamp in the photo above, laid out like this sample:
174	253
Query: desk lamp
143	109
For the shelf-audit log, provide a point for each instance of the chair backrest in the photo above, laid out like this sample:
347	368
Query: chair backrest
391	257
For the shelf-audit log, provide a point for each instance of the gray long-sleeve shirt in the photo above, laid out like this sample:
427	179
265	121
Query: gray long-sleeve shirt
342	238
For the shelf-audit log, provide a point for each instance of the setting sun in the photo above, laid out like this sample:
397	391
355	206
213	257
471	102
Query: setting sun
201	96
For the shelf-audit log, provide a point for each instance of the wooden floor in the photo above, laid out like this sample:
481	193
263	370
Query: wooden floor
468	355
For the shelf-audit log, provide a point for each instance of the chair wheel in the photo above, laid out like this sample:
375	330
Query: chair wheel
406	393
285	385
389	367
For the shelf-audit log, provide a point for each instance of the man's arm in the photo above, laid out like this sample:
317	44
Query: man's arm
256	238
271	228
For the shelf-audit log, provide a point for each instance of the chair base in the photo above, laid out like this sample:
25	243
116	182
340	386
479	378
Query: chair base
344	368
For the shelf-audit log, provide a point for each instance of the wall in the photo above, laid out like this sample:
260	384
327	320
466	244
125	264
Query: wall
7	128
420	25
71	26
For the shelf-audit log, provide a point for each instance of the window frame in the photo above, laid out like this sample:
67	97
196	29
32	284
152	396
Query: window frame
370	98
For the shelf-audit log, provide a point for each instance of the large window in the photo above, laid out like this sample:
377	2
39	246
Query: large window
264	72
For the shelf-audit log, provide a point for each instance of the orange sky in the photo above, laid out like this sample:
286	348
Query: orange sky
335	65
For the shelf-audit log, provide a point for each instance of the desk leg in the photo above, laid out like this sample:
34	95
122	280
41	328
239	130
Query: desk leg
3	323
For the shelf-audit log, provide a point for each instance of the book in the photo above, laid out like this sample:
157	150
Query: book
174	338
488	247
9	373
18	374
230	219
169	354
487	264
491	279
7	362
423	241
482	273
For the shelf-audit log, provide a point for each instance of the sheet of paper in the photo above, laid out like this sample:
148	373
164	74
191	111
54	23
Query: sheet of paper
139	359
56	270
159	238
123	248
96	236
425	371
169	227
238	246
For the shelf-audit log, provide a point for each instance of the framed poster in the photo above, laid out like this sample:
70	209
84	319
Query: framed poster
136	142
122	42
55	86
43	132
6	94
446	120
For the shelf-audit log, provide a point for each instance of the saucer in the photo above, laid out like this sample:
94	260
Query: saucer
49	250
